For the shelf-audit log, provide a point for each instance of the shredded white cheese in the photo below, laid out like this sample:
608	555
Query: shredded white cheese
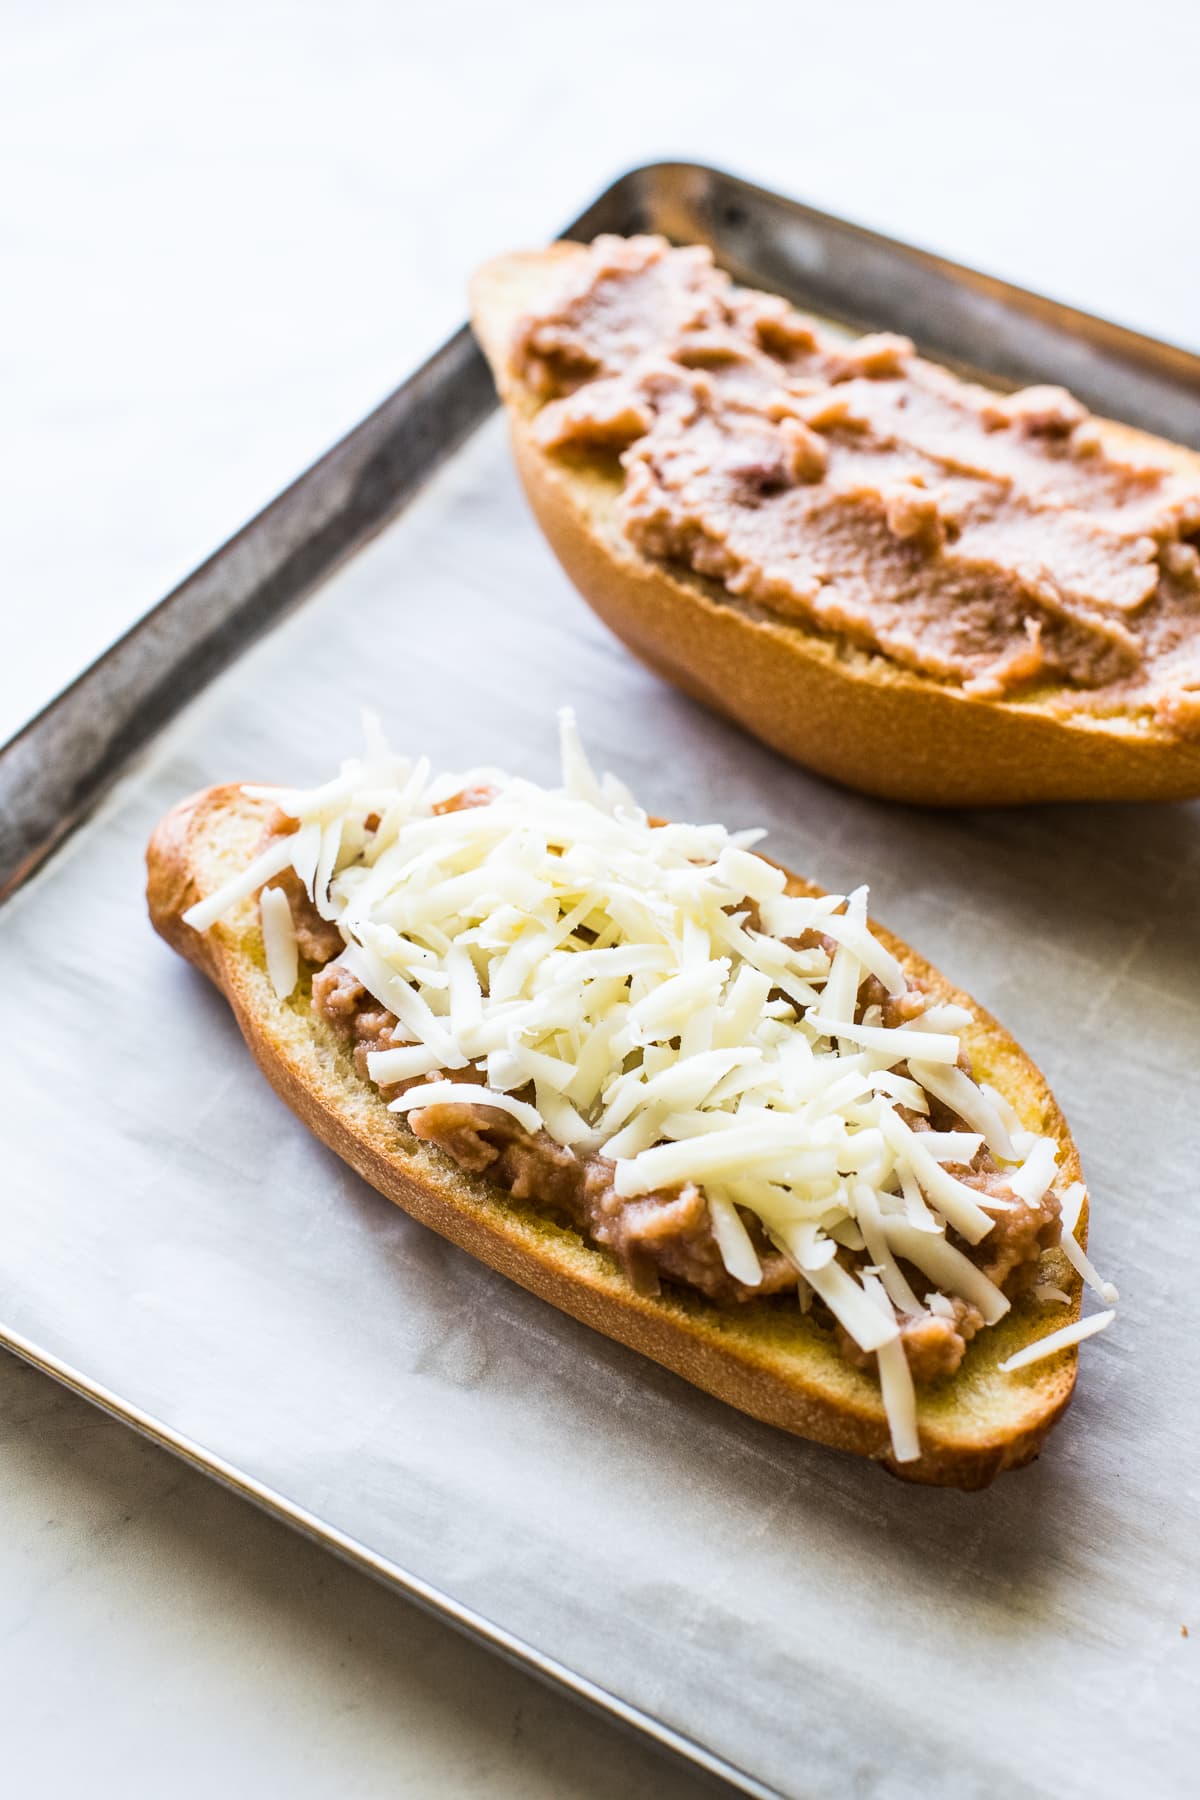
432	1092
279	941
896	1385
1057	1340
1073	1250
1036	1172
655	995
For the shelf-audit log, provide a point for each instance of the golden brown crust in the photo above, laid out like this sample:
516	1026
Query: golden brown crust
855	717
763	1358
170	878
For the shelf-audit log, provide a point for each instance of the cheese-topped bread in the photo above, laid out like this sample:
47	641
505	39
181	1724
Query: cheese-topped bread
686	1096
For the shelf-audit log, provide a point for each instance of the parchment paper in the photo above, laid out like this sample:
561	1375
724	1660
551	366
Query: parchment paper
168	1226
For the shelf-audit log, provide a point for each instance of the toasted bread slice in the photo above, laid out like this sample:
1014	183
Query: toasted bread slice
764	1357
850	714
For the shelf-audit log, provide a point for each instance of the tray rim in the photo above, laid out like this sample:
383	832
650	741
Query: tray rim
628	188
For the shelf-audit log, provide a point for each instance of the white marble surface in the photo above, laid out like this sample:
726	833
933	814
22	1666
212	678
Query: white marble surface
226	232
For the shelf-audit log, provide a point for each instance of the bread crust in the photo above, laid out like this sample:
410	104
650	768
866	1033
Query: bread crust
853	716
762	1357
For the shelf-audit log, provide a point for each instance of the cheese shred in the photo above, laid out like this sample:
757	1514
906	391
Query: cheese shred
1064	1339
279	941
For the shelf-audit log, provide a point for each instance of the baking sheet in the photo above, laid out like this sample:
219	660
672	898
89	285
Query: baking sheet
168	1225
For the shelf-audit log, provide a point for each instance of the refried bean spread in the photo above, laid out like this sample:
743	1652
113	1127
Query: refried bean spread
1009	544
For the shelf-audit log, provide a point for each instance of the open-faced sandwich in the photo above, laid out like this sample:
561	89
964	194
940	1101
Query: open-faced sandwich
688	1098
920	586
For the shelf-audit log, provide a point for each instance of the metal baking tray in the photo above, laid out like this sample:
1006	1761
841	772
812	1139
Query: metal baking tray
177	1248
